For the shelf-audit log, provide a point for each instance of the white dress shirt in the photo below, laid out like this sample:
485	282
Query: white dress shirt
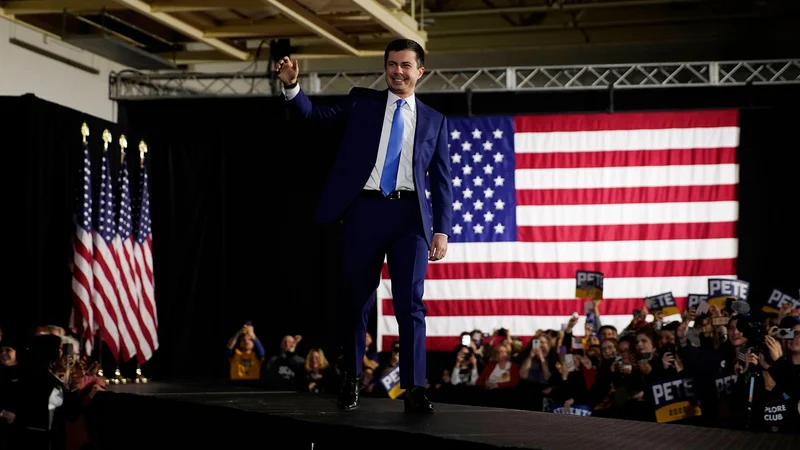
405	172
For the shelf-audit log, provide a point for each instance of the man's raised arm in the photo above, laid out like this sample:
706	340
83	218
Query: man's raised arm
288	73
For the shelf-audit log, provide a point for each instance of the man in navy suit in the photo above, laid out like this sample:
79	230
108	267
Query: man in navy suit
377	191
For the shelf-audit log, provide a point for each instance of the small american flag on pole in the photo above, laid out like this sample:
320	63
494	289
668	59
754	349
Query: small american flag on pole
82	276
649	199
143	256
126	280
105	298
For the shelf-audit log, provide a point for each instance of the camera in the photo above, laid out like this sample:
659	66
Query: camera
784	333
752	327
669	348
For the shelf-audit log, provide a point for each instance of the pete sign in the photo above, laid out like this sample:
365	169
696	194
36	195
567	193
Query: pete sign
693	300
719	289
777	299
662	302
674	400
589	285
391	382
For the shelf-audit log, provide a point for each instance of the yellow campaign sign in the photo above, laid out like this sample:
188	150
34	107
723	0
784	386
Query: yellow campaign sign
677	411
777	299
674	400
589	285
391	382
720	289
662	302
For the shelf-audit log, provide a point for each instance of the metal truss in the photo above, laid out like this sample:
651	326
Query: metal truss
128	84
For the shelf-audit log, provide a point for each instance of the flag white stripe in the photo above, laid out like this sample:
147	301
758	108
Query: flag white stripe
627	214
627	177
555	288
601	251
518	325
611	140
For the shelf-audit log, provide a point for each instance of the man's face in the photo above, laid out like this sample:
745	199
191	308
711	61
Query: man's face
607	333
287	343
402	72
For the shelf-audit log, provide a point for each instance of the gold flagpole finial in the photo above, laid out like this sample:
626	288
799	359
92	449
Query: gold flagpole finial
106	138
123	146
84	131
142	151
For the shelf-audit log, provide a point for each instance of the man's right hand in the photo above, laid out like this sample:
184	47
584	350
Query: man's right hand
287	70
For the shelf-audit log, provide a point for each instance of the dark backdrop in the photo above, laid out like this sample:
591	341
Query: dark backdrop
235	185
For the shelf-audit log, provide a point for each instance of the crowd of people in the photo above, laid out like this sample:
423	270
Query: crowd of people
698	369
46	392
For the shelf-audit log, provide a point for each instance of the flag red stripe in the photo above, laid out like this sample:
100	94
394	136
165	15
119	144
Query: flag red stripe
642	232
634	158
609	196
553	270
626	121
526	307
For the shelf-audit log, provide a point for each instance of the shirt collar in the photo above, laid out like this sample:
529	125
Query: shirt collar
410	100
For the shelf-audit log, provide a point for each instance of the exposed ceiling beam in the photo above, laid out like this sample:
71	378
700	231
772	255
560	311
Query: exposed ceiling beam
272	28
183	27
28	7
555	8
317	25
398	22
323	51
285	27
202	5
4	13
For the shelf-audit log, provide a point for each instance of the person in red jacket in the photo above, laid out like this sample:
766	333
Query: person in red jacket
500	372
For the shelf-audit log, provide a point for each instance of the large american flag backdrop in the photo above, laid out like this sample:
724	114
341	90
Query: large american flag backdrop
649	199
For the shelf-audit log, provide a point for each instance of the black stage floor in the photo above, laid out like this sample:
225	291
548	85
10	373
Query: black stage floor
220	416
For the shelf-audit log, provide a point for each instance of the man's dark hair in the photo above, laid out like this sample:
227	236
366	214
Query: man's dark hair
607	327
399	45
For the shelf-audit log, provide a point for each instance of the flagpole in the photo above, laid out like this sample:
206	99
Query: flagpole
141	379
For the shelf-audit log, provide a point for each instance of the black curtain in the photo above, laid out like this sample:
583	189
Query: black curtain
234	186
43	153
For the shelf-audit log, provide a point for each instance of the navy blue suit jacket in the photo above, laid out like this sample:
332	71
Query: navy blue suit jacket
361	115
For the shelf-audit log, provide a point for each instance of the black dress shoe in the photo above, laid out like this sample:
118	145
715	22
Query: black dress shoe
415	401
348	396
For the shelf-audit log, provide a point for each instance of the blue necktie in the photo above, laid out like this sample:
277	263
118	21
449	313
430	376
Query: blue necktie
392	161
